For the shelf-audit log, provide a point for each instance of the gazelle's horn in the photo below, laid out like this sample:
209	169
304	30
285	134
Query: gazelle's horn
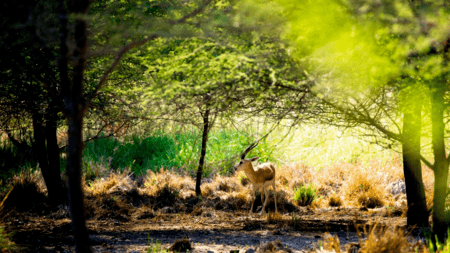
253	145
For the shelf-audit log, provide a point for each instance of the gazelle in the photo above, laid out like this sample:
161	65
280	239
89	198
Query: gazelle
261	177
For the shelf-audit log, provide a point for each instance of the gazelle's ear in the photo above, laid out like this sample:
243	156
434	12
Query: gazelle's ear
254	158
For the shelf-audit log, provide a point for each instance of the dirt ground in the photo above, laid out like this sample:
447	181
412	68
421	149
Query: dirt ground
126	214
208	231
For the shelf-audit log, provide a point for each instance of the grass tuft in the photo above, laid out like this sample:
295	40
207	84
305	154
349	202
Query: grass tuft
305	195
330	243
335	200
370	199
27	191
181	245
389	240
154	247
274	247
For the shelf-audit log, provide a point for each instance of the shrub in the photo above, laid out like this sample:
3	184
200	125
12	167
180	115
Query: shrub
305	195
364	189
244	180
391	239
440	247
154	247
335	200
370	200
6	245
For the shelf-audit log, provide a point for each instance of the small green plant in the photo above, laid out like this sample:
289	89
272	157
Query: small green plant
6	245
154	247
441	247
244	180
305	195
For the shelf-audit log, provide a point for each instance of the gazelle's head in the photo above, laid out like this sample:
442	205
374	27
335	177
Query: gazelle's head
246	163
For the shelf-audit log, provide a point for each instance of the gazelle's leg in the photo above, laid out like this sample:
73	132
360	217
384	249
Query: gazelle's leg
266	192
275	196
262	199
262	196
253	199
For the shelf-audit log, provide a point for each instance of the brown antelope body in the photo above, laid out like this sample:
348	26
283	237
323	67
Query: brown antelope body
261	177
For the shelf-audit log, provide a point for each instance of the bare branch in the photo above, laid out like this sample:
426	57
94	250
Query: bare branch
192	14
427	163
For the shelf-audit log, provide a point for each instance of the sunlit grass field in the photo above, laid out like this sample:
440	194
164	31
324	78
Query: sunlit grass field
179	151
316	166
314	146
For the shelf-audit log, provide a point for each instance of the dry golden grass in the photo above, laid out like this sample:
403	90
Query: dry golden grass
335	200
154	183
331	243
115	182
26	191
274	247
389	240
345	184
340	184
119	197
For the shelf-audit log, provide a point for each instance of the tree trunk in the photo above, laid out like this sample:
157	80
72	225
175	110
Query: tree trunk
201	162
73	170
415	193
75	108
52	179
53	151
441	164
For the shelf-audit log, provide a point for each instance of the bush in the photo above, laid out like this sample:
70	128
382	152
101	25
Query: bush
440	247
335	200
154	247
370	200
389	240
305	195
6	245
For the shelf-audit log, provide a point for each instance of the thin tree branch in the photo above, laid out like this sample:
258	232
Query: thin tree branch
426	162
134	44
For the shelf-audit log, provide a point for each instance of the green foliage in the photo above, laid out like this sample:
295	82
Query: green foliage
154	247
6	245
441	247
96	169
305	195
181	150
152	152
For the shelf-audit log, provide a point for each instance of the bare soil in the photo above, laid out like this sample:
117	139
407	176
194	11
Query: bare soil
126	214
208	230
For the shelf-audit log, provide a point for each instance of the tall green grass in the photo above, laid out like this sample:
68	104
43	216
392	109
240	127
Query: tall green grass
313	145
171	151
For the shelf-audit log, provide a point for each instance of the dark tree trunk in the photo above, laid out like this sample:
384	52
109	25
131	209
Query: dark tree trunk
75	108
415	193
441	164
73	170
201	162
52	179
53	151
